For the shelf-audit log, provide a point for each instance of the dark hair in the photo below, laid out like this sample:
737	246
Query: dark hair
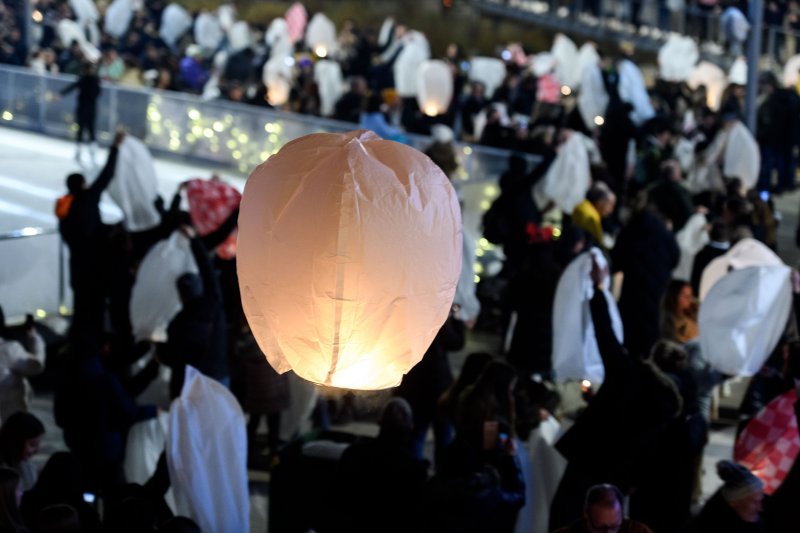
598	192
604	495
397	419
473	366
75	183
19	428
58	518
671	295
719	231
10	517
669	356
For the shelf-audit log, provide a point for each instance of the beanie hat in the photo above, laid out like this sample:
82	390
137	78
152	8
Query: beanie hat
739	481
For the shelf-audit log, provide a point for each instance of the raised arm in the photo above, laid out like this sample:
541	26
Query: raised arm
102	181
614	356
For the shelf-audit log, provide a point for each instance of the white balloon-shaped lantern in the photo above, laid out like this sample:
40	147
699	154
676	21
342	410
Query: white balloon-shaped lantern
349	253
415	52
488	70
208	31
434	87
175	21
321	35
677	58
713	78
277	77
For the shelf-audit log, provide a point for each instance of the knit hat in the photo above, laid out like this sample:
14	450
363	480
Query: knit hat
739	481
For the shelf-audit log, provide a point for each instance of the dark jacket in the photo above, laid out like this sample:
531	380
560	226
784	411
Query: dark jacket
197	335
717	515
646	252
88	92
701	261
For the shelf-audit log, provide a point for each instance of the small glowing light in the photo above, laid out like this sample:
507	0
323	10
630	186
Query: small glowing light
236	154
218	126
477	278
431	110
41	313
586	385
63	309
243	138
556	233
194	114
197	131
231	144
243	167
37	16
28	232
565	90
174	144
479	252
485	205
278	128
477	268
506	55
321	51
490	190
7	115
153	115
263	155
467	150
599	121
483	242
229	119
269	127
191	138
175	134
208	133
289	61
156	129
273	138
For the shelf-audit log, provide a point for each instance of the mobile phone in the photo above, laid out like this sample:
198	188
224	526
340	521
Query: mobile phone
88	497
764	196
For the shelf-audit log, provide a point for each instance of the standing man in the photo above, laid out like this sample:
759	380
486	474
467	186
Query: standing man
88	86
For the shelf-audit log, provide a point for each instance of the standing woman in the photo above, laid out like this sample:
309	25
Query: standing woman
88	86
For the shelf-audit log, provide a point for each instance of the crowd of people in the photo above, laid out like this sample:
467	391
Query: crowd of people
636	446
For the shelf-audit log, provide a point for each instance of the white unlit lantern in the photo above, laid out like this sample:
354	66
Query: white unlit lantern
434	87
349	253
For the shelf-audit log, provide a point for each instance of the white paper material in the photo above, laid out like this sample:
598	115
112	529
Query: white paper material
239	37
349	252
277	76
465	291
154	298
543	468
742	156
714	80
175	21
416	51
633	90
118	17
587	57
543	63
208	31
593	98
576	355
135	185
743	317
691	239
330	82
207	455
385	32
69	30
738	72
790	72
677	58
278	31
85	10
321	32
145	443
490	71
434	87
227	16
705	174
568	177
568	65
746	253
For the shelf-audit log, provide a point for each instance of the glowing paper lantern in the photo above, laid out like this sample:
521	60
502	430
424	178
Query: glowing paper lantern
349	254
742	157
321	35
743	317
567	179
85	10
714	80
434	87
738	72
227	16
691	239
587	57
277	78
677	58
69	30
593	98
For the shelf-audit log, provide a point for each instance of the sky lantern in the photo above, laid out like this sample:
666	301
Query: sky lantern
434	87
349	253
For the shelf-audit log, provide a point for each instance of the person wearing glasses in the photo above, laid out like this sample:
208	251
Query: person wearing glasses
603	513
